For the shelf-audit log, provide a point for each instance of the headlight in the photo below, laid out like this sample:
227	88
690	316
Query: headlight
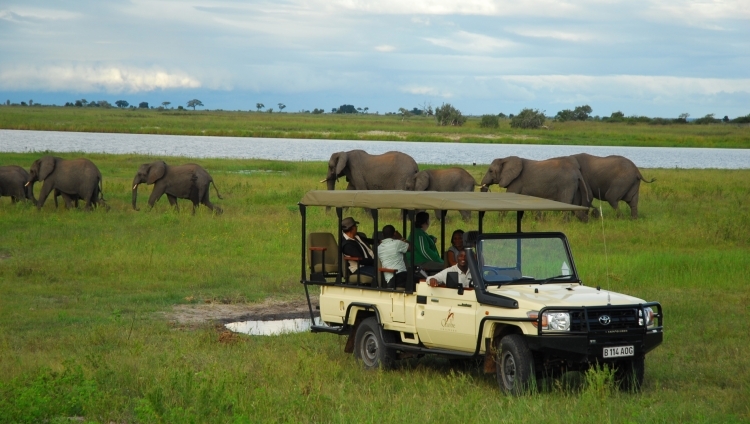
649	315
552	320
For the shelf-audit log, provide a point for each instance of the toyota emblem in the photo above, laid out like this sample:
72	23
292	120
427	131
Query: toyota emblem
604	320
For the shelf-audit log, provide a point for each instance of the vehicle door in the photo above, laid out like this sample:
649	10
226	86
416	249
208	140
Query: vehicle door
447	319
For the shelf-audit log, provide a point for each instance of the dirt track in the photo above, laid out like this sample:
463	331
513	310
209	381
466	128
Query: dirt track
215	313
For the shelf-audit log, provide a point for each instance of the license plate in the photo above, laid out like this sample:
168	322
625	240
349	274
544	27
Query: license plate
616	352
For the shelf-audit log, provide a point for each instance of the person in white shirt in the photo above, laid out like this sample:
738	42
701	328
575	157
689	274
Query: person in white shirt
464	275
391	254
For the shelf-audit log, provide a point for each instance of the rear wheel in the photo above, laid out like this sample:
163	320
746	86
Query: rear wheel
515	365
629	374
369	345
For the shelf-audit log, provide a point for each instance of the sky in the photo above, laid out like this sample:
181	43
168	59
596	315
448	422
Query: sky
657	58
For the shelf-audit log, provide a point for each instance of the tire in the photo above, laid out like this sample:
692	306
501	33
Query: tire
515	366
369	346
629	374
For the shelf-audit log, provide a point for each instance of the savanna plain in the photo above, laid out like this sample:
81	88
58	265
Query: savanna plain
88	306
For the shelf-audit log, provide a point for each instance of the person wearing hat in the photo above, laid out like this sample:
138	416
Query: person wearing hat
355	246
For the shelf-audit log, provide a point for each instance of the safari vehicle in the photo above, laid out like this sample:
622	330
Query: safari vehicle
526	315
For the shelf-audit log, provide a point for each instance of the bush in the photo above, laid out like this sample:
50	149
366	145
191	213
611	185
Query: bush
580	113
742	119
489	121
708	119
528	119
449	115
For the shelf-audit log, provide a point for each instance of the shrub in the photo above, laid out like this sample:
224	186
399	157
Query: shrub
742	119
708	119
529	119
449	115
489	121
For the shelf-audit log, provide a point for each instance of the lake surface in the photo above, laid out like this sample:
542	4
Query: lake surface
320	150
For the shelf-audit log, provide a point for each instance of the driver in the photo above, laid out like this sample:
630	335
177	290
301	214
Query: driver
464	275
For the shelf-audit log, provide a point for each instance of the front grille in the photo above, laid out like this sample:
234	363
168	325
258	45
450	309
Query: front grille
619	319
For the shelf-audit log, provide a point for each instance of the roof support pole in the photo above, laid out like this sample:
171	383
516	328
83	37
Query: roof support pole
519	217
443	213
481	220
339	214
375	241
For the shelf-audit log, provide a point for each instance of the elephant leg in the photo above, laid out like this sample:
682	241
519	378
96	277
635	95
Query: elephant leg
466	215
46	189
68	201
156	195
173	201
633	203
438	216
210	205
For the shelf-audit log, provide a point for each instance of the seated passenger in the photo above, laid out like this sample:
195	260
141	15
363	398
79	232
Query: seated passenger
457	245
464	275
354	246
391	254
425	252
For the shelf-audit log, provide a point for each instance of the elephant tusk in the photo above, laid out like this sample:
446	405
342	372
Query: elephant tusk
135	186
324	180
27	184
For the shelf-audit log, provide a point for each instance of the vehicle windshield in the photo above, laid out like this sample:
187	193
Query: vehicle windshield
522	259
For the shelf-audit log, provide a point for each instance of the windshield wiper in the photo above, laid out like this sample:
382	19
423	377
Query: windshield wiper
567	276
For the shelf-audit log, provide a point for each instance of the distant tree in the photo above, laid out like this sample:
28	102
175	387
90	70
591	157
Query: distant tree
122	103
489	121
565	115
346	109
23	103
143	105
104	104
7	102
528	119
708	119
366	109
79	103
165	104
93	103
193	103
269	110
359	109
260	106
682	118
180	107
31	103
726	118
334	110
742	119
449	115
416	111
404	113
83	102
502	115
317	111
281	107
581	113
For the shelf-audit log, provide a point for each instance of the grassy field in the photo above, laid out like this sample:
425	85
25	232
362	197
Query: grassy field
85	300
365	127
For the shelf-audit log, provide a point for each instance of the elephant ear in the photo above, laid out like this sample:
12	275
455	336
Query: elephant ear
341	163
156	171
422	181
46	166
512	167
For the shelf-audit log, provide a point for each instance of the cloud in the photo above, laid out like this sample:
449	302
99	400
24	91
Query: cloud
385	48
465	7
556	35
426	91
110	79
473	43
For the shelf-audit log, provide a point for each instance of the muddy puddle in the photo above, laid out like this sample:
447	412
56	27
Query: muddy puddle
272	328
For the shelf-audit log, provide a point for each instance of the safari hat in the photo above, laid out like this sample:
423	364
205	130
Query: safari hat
347	223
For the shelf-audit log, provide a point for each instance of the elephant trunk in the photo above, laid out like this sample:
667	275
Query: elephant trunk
331	182
135	194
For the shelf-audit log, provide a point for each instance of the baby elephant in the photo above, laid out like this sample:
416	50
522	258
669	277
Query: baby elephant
188	181
451	179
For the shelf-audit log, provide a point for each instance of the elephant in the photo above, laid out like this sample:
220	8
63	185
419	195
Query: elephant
189	181
73	178
13	180
611	179
363	171
557	179
451	179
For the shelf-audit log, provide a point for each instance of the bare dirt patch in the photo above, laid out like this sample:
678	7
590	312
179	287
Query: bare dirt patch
219	313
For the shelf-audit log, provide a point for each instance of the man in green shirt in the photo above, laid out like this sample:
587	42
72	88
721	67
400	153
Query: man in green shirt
426	255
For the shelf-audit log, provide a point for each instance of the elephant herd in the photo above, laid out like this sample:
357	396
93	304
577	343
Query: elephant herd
80	180
575	179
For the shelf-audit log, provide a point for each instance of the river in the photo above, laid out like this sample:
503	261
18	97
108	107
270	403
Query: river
287	149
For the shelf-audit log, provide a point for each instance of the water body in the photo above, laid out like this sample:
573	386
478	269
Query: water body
272	328
287	149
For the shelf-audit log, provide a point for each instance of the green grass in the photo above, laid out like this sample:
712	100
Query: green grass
365	127
83	298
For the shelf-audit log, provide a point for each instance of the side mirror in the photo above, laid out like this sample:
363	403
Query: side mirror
451	282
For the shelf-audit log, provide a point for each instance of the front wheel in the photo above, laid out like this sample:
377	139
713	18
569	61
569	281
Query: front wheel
629	374
515	365
370	347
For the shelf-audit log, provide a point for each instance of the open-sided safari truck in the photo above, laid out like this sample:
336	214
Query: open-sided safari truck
526	314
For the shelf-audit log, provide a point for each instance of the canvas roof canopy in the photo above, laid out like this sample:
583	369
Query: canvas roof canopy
412	200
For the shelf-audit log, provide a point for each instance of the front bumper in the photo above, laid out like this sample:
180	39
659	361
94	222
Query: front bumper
589	348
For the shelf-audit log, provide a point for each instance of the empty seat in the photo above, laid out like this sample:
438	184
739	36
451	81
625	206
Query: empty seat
323	255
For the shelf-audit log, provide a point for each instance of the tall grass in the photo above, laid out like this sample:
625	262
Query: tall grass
365	127
85	300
